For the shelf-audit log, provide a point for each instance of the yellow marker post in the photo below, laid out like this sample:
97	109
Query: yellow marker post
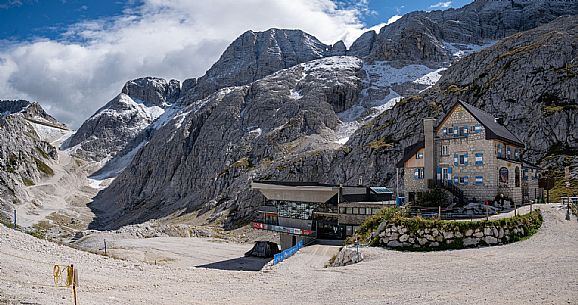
71	278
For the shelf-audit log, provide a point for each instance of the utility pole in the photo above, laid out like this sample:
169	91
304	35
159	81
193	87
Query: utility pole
396	183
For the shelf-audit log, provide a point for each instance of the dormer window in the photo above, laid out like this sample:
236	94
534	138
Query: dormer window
419	155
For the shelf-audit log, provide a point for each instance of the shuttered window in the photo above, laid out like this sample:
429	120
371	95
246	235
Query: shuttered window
479	158
479	180
418	173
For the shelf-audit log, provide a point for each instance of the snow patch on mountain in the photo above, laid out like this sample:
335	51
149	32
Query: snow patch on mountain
459	50
294	94
52	135
431	78
334	63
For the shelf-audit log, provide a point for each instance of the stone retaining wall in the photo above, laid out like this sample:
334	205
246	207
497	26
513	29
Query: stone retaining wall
417	233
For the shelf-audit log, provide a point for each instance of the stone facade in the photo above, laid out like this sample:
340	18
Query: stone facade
466	158
413	184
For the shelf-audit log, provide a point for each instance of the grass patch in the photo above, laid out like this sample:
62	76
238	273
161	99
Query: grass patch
39	230
518	50
381	143
372	223
409	99
243	163
266	162
43	167
553	109
456	89
27	181
42	152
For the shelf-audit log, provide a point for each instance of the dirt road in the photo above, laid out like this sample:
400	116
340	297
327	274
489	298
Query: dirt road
540	270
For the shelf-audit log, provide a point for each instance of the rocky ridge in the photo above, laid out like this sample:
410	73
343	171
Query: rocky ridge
124	119
25	157
439	36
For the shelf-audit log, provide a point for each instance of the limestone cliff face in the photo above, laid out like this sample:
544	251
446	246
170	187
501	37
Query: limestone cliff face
24	157
436	36
215	145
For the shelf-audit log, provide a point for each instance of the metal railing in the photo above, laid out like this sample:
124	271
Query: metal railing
446	185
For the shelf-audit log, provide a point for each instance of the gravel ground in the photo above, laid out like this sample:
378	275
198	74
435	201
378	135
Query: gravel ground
540	270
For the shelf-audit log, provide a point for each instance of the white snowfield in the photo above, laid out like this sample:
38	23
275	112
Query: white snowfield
540	270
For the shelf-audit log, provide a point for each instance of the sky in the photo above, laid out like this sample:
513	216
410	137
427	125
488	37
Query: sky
73	56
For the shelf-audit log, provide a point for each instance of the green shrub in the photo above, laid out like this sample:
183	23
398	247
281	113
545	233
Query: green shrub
432	198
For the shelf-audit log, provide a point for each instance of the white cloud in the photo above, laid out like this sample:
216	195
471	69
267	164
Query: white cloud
74	76
441	5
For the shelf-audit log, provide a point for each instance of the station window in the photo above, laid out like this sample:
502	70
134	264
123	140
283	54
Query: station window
348	230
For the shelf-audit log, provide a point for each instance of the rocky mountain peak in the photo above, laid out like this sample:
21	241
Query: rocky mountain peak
338	49
153	91
254	55
31	111
114	126
362	46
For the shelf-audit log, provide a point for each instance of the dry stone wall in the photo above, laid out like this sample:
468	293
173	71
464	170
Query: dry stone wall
417	233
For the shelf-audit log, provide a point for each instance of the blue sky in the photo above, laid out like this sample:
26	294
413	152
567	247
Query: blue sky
73	56
29	19
33	19
381	10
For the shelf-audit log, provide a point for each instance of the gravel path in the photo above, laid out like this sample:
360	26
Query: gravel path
540	270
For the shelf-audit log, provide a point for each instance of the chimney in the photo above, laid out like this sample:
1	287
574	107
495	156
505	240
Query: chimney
429	153
499	120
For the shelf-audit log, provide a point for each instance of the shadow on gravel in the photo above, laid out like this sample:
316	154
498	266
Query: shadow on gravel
239	264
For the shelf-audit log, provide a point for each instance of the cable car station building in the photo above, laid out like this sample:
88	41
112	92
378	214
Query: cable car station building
309	210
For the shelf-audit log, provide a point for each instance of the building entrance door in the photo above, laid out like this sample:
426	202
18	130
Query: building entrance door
445	174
